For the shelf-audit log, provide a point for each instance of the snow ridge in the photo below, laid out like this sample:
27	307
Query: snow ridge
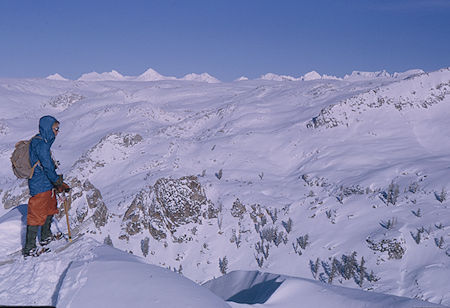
427	91
94	76
204	77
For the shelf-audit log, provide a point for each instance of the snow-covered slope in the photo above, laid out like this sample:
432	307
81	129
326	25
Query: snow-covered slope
249	288
346	179
90	274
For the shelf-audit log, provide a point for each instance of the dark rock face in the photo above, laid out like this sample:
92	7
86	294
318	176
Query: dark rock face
167	205
95	201
394	247
64	100
137	217
238	209
91	207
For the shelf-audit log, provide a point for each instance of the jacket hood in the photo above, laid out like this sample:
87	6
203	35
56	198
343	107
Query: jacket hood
45	128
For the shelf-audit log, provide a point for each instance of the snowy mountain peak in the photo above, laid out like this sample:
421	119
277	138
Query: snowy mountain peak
275	77
242	78
313	75
359	75
152	75
56	77
205	77
330	77
94	76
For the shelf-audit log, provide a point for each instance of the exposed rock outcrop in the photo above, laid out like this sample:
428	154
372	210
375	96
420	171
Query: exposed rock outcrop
89	203
165	206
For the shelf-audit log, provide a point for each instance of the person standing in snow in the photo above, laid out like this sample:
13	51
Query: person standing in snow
43	185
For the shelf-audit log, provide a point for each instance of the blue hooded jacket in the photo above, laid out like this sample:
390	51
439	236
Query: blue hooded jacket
44	176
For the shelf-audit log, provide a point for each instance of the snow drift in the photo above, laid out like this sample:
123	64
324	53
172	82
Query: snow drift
245	289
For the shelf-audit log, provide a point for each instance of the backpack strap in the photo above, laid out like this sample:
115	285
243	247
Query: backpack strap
32	169
38	162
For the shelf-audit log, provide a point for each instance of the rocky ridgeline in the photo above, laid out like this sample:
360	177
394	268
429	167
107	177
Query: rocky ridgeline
63	101
172	210
166	205
422	92
115	145
87	201
87	204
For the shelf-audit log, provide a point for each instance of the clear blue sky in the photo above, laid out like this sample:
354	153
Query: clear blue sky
226	38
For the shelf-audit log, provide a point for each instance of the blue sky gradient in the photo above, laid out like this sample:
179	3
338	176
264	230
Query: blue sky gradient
226	38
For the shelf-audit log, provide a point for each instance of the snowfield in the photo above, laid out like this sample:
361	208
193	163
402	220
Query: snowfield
255	289
192	192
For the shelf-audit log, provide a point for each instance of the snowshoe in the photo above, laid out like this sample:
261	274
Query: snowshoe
35	252
54	237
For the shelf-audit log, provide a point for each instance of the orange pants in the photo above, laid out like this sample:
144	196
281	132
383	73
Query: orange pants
40	206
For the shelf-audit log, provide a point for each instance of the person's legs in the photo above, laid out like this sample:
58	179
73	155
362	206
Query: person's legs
36	216
30	240
46	233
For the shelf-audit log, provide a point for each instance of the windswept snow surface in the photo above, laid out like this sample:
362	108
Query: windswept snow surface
115	279
12	230
90	274
342	181
255	289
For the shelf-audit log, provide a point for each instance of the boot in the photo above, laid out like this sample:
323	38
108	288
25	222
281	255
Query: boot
46	233
30	241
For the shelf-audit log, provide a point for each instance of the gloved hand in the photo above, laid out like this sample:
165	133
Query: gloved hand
61	186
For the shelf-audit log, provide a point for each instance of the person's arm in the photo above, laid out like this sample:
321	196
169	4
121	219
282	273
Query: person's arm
45	158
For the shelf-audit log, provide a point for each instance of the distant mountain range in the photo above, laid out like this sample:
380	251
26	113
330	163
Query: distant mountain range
152	75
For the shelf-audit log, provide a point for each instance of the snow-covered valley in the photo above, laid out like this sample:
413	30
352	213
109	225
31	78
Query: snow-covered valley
338	187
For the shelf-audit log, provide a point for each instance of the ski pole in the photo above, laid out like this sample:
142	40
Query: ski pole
66	209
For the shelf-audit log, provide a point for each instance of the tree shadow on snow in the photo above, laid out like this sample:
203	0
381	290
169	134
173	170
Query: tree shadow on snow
258	294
